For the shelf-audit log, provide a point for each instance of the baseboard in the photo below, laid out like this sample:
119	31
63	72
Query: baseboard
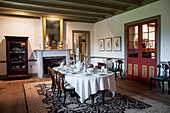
2	77
32	74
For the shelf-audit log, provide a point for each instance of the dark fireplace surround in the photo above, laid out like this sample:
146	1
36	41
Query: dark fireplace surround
52	62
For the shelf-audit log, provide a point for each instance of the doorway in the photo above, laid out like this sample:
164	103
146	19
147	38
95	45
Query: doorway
142	50
81	45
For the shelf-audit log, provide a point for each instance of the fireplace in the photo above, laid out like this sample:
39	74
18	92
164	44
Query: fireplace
52	62
51	57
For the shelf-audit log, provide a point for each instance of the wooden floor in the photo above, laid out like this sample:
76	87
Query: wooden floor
12	99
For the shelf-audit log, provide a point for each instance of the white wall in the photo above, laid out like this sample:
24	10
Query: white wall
15	26
114	26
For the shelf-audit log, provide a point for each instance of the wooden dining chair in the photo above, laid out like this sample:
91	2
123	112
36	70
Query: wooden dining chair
65	87
100	64
164	77
90	66
54	80
169	80
118	68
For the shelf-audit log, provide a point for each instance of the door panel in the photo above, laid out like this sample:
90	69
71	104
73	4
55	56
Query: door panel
133	52
142	51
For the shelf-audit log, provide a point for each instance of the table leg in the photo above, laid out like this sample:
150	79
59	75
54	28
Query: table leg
169	87
103	96
92	99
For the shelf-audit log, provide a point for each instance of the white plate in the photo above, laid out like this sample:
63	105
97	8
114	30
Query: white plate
83	74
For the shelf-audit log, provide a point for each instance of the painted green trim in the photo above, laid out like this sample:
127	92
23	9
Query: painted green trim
158	17
107	57
125	49
158	39
143	20
86	32
163	62
3	61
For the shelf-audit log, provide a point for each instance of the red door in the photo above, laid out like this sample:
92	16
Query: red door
142	51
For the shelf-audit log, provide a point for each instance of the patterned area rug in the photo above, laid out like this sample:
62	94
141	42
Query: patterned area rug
40	99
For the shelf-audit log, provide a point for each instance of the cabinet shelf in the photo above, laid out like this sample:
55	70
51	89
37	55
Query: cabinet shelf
17	68
17	52
17	61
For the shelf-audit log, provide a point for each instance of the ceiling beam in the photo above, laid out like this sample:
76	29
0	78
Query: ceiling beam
19	13
47	10
61	6
96	4
130	2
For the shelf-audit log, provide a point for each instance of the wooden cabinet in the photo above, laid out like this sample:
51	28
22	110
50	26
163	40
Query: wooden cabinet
17	57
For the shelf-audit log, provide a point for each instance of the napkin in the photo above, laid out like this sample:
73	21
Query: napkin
103	67
62	64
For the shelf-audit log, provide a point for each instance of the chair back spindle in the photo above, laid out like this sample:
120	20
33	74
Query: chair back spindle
165	68
61	81
159	69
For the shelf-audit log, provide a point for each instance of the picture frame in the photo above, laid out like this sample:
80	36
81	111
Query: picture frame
101	45
117	43
108	44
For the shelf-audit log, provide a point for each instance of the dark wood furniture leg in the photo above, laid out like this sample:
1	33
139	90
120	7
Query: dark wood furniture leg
92	96
59	95
58	92
115	75
159	84
169	87
121	74
163	86
64	97
150	84
77	97
103	96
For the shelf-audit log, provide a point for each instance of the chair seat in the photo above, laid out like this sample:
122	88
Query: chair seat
68	86
116	69
159	78
65	82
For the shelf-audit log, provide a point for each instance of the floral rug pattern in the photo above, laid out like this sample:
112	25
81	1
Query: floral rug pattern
120	103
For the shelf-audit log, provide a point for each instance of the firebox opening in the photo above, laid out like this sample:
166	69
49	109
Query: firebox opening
52	62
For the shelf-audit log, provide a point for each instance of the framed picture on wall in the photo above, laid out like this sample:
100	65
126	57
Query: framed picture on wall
108	44
117	43
101	45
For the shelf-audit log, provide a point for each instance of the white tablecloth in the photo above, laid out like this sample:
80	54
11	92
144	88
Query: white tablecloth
87	84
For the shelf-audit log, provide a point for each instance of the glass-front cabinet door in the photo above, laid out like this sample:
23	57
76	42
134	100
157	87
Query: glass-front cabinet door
17	57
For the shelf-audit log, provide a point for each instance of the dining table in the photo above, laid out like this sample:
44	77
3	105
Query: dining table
88	82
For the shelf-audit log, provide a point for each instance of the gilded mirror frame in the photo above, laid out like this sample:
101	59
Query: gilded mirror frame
44	30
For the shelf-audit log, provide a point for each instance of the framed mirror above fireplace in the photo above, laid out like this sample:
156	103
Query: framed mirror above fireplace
52	32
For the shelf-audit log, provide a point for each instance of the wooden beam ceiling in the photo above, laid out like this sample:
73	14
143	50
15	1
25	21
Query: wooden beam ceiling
60	6
70	10
130	2
48	10
96	4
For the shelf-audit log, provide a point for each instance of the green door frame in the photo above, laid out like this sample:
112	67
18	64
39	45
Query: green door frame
85	32
158	38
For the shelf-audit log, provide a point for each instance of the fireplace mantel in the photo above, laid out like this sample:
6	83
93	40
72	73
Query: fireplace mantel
49	53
